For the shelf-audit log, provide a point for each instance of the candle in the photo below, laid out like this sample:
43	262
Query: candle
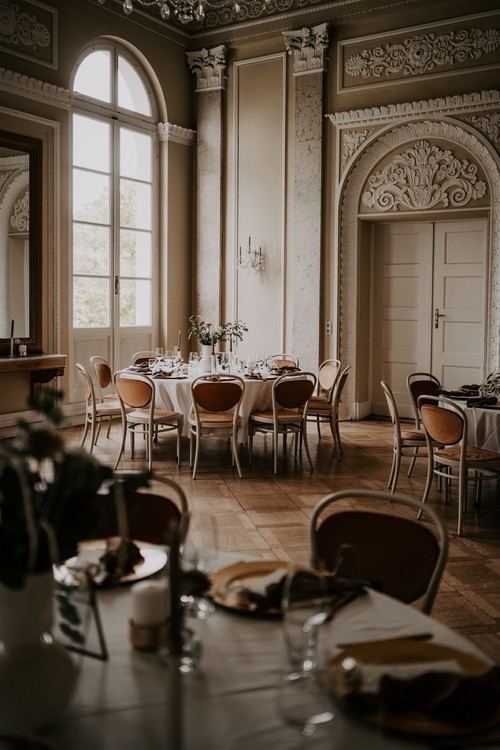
149	603
12	329
179	343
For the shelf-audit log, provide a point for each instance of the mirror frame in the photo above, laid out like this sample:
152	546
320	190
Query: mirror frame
34	148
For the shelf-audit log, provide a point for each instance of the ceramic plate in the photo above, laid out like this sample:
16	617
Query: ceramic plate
155	559
227	581
412	652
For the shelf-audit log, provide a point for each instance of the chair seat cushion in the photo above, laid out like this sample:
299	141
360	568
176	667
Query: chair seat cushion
320	401
413	435
283	416
473	454
108	409
319	407
160	415
220	419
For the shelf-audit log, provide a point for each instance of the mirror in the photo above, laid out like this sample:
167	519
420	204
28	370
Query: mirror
20	240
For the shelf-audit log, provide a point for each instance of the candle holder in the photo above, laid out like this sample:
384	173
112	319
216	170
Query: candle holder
252	260
147	637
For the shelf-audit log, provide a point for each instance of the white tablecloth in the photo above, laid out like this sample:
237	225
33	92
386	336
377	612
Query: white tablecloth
484	428
176	394
229	703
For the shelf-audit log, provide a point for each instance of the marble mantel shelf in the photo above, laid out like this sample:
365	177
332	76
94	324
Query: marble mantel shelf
42	367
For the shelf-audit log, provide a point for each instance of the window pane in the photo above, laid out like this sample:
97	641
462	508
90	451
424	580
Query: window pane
93	77
90	197
132	93
135	253
135	155
135	303
90	143
90	249
135	205
90	302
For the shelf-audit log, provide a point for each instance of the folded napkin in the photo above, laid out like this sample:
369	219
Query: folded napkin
440	690
482	401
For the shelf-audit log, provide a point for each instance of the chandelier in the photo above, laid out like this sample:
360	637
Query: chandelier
184	11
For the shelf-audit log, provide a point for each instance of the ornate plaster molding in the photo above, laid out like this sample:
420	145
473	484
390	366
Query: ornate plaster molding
22	28
20	216
405	110
399	136
488	125
308	49
351	141
23	85
14	162
169	132
209	67
423	177
422	53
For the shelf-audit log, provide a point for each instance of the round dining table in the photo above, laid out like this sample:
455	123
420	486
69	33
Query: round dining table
230	702
174	393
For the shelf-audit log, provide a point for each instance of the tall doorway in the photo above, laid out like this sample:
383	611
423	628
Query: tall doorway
428	304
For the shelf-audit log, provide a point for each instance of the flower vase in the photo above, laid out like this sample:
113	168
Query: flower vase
37	676
206	359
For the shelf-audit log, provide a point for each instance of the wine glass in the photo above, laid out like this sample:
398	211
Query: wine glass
198	551
159	352
193	360
302	701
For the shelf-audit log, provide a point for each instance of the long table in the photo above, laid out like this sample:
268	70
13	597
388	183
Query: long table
230	702
175	393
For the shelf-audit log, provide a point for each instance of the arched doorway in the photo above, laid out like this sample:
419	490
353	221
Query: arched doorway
463	148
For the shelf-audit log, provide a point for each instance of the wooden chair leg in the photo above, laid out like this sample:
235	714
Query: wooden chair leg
85	431
122	446
196	454
235	453
306	446
428	483
250	442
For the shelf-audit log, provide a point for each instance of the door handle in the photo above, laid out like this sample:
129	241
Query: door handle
117	285
437	315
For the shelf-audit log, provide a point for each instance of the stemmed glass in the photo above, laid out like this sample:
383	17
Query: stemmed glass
198	551
301	700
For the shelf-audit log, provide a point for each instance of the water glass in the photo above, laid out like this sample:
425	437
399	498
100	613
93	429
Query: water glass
190	655
303	604
151	364
303	704
198	551
159	351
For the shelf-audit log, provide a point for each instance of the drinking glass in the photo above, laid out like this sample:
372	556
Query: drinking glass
151	363
304	608
224	361
198	551
159	351
303	704
193	360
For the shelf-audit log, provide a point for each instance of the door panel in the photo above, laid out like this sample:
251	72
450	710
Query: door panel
421	268
401	318
459	295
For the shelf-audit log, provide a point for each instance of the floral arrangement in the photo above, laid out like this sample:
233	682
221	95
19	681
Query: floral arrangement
208	334
51	497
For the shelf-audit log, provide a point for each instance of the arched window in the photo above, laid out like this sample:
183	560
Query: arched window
114	175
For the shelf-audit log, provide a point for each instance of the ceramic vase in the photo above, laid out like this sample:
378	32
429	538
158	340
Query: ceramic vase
206	359
37	676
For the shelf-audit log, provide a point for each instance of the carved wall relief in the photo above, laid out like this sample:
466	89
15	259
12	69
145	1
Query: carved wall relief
29	29
488	124
423	177
422	50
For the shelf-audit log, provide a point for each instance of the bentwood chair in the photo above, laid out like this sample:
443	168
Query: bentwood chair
328	411
402	557
137	393
147	514
216	404
139	357
104	376
445	423
420	384
95	412
290	400
282	360
405	442
328	373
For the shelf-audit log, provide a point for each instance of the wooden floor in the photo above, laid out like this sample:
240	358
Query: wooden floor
268	516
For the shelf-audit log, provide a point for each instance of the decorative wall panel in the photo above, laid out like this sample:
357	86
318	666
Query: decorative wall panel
29	29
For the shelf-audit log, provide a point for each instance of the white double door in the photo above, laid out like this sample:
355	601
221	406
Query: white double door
428	305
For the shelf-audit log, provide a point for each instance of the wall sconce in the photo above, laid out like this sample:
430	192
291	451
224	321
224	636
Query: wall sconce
252	259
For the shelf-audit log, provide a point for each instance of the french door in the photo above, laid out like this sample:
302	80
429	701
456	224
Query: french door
114	258
428	305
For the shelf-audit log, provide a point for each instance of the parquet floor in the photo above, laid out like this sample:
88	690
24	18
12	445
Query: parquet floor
267	516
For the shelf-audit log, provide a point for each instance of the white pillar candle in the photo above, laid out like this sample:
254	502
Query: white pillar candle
149	603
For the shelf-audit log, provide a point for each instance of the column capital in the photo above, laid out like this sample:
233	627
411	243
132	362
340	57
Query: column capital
209	66
308	49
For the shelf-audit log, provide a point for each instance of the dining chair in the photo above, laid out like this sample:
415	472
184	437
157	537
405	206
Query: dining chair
400	555
147	514
104	377
139	357
282	360
445	422
95	412
421	384
215	413
403	440
137	393
290	400
327	375
328	410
